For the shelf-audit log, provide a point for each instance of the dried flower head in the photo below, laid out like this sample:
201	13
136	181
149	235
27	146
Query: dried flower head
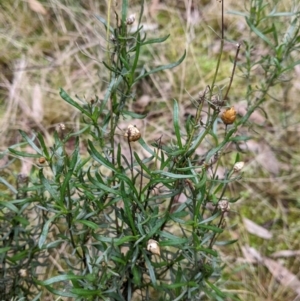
22	178
113	38
23	273
224	206
130	20
216	101
229	116
153	247
238	166
132	133
62	127
42	160
202	94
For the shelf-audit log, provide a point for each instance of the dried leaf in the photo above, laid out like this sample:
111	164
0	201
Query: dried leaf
37	112
251	255
286	253
283	275
257	230
37	7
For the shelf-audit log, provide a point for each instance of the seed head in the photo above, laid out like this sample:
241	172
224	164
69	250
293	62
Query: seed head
23	273
42	160
224	206
238	166
153	247
132	133
229	116
130	20
216	101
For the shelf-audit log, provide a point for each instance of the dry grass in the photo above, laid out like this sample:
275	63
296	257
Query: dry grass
61	44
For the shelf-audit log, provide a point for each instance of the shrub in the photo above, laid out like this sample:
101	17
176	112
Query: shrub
121	217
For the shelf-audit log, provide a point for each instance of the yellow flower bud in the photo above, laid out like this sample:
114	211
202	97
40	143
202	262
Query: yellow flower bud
229	116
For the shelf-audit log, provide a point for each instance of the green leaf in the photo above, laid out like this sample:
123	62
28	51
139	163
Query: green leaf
30	142
155	41
53	192
4	250
161	68
63	94
216	290
57	292
19	256
88	224
259	33
172	239
103	21
155	228
108	189
150	268
9	186
208	251
176	123
172	175
98	157
71	167
23	154
137	55
10	206
43	145
45	231
140	162
134	115
115	241
86	292
146	147
128	211
60	278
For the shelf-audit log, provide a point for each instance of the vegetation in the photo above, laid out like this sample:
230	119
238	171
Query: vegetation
134	181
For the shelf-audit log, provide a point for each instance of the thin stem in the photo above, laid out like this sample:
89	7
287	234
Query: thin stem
233	70
131	157
215	233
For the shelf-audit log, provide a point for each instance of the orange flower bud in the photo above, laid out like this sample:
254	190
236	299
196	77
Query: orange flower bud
229	116
42	160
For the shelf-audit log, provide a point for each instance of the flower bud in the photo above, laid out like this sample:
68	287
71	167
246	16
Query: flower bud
23	273
238	166
132	133
130	20
216	101
42	160
229	116
153	247
224	206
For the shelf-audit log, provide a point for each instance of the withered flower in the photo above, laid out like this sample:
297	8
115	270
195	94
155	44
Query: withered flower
153	247
132	133
229	116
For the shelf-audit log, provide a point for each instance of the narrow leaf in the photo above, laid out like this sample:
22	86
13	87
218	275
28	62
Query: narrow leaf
176	123
160	68
63	94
